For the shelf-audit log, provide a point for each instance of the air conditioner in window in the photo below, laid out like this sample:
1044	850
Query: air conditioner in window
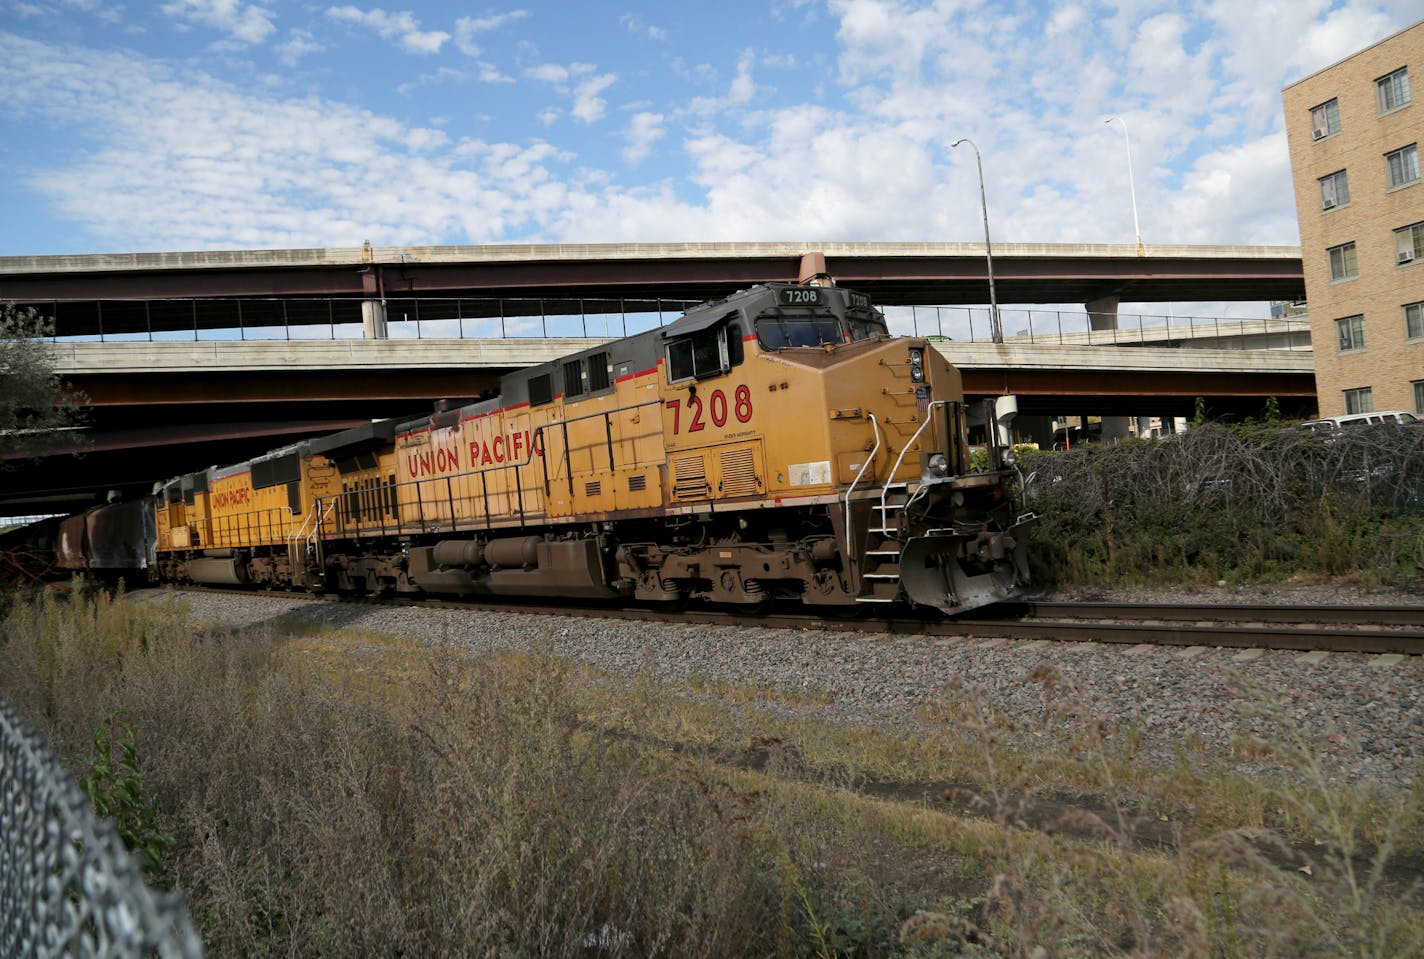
1406	256
1327	204
1321	133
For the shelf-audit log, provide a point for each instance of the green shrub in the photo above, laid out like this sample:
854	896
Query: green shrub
1235	503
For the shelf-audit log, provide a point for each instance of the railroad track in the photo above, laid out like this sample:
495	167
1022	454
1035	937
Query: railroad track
1351	629
1348	629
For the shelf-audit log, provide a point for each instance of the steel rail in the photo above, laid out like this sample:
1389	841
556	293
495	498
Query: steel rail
1235	627
1245	613
1265	636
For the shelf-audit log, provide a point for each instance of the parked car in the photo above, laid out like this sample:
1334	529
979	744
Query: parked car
1331	424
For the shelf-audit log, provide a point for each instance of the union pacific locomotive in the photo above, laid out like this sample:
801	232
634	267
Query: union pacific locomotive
775	444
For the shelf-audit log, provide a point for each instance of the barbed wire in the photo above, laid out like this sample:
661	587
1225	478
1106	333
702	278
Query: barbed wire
1265	474
68	887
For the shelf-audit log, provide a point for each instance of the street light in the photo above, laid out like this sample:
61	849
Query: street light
996	331
1131	189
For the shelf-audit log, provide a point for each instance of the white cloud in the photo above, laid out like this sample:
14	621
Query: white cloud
588	106
579	82
467	28
743	86
740	91
400	26
549	73
246	22
638	27
299	43
645	129
187	162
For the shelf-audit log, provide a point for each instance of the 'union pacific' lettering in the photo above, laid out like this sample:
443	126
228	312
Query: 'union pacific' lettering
504	449
235	497
428	462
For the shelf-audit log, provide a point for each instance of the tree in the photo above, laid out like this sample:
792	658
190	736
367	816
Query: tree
37	409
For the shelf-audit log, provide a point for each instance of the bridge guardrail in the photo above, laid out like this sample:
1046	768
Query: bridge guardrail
467	318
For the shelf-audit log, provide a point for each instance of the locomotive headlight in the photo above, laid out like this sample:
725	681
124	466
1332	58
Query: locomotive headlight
917	365
939	465
1009	457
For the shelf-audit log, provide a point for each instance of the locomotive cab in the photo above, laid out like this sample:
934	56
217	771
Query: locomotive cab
796	396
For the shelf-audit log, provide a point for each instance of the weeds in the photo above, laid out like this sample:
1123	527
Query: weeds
1234	503
343	794
116	787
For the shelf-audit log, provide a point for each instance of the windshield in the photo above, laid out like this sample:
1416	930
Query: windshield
866	325
778	329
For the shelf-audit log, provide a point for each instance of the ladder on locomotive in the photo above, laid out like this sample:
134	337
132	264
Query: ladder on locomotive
884	577
895	497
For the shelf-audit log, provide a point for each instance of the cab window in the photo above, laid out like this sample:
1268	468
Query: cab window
779	329
698	355
868	326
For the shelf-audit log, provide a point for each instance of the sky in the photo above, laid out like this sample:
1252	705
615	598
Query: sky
227	124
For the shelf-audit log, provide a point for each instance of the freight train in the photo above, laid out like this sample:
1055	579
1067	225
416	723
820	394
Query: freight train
776	444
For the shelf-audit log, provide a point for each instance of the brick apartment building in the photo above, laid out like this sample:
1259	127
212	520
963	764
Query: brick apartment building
1355	133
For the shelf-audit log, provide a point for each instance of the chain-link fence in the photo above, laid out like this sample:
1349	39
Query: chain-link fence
68	887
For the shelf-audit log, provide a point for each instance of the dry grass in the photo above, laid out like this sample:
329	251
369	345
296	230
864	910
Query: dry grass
335	793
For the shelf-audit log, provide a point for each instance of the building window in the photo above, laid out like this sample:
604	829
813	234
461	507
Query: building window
1419	396
1325	119
1334	191
1409	243
1343	265
1359	401
1402	166
1414	321
1393	90
1352	333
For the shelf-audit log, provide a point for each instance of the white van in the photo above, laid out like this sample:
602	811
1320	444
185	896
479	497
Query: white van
1333	423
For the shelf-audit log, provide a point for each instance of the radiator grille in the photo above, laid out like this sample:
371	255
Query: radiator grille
739	473
593	488
636	484
689	477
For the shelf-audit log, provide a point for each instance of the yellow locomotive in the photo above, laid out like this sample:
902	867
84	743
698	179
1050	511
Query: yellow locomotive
778	443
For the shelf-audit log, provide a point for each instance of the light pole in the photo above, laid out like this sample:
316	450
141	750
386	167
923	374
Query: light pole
996	331
1131	188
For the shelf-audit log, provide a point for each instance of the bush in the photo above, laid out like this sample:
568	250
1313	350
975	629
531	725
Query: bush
1241	502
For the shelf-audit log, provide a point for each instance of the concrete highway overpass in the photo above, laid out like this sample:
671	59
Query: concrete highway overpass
891	273
163	407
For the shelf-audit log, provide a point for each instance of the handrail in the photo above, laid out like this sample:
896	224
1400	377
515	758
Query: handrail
875	425
230	525
929	417
315	517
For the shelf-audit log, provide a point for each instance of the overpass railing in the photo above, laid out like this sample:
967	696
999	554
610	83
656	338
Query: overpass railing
1075	328
510	318
116	321
68	887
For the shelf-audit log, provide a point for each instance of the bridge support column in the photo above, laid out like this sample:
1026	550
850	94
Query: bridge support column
1102	313
1034	429
373	319
1116	428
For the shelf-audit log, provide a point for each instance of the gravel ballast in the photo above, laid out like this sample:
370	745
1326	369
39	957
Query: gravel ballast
1365	709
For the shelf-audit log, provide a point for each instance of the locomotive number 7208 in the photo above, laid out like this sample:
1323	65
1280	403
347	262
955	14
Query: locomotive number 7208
716	408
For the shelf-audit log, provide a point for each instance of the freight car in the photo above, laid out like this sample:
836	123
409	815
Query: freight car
779	443
108	543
